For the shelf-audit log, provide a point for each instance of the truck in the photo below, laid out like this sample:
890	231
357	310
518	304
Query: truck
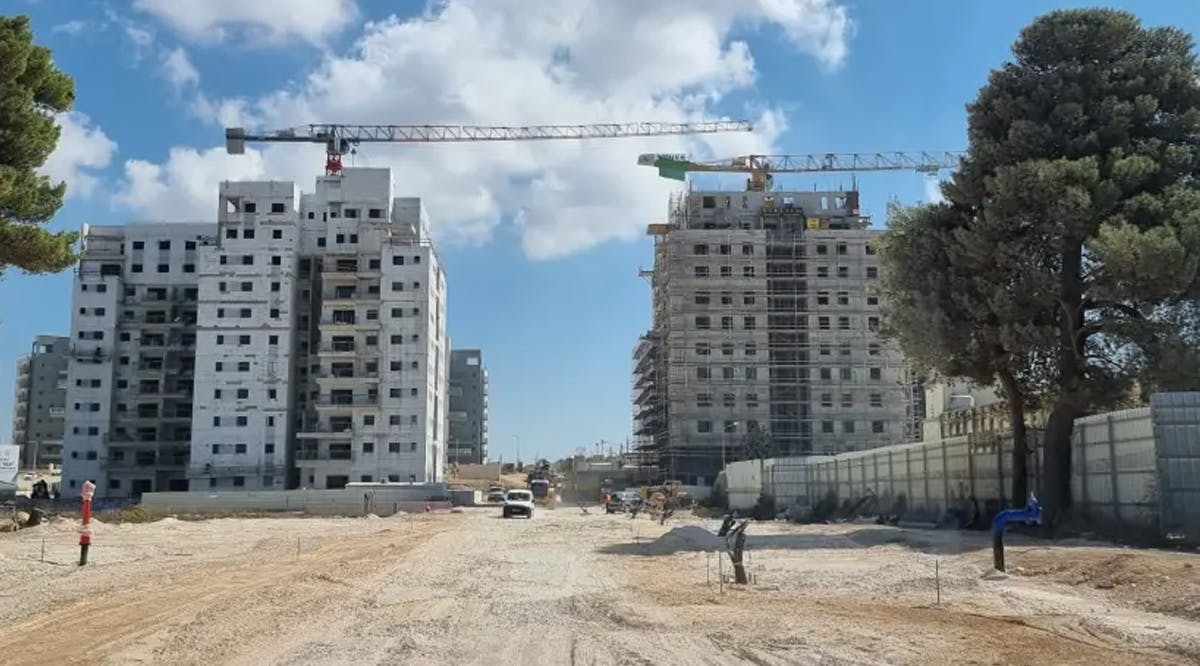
541	490
541	483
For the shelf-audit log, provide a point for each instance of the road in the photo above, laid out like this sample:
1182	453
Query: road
471	588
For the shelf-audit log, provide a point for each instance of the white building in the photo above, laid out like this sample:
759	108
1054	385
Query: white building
133	337
320	357
372	302
955	407
246	340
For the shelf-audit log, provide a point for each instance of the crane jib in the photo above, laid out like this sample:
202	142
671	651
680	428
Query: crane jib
338	138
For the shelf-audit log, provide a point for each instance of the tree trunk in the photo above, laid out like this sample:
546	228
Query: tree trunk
1020	435
1071	388
1056	461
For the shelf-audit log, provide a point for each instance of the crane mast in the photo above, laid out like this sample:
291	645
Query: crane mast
340	139
762	167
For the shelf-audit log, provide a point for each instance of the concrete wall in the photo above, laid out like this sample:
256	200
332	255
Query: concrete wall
1176	418
484	471
1113	467
923	480
1135	470
344	502
744	482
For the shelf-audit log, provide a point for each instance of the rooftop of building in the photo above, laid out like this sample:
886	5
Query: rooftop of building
770	210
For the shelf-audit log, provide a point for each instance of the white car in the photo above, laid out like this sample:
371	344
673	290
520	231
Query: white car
518	503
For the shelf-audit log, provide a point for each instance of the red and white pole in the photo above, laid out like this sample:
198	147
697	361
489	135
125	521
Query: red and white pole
85	530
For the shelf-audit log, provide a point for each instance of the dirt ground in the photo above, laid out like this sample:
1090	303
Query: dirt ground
471	588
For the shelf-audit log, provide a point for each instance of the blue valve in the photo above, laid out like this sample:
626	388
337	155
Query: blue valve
1030	515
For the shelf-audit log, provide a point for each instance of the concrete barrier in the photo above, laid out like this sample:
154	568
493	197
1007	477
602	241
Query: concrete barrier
343	502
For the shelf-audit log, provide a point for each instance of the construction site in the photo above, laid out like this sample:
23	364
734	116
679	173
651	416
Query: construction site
570	587
766	329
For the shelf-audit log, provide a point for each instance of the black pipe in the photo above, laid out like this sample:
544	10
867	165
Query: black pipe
998	550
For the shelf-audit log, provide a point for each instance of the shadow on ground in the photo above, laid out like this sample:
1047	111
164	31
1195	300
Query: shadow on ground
692	538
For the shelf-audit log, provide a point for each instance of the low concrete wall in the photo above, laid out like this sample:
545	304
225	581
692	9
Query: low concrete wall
344	502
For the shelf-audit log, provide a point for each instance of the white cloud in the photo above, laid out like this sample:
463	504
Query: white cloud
818	27
254	20
82	148
140	37
516	62
185	187
178	69
71	27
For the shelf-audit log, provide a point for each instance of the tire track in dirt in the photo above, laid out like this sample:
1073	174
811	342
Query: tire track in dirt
115	624
876	628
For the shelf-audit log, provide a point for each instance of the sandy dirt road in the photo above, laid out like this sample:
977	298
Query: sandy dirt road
567	588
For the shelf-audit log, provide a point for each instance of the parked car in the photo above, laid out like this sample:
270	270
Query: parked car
495	494
622	502
518	503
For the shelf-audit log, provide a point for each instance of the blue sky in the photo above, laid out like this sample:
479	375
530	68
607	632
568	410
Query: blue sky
541	243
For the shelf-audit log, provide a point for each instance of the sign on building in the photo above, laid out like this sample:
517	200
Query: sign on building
10	460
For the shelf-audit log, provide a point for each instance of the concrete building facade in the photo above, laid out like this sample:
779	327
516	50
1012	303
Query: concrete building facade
372	386
954	408
38	407
765	337
245	341
468	406
283	346
133	350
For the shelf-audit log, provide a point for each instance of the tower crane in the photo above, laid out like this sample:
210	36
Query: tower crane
761	167
341	139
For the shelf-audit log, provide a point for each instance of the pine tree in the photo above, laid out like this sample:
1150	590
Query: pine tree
32	90
951	324
1078	200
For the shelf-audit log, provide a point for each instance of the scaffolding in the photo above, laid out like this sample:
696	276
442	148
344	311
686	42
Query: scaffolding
765	335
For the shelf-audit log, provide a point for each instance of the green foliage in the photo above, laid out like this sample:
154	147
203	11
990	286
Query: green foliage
948	320
32	90
1071	231
954	324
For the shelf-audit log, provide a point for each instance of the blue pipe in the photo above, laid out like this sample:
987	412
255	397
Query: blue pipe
1030	515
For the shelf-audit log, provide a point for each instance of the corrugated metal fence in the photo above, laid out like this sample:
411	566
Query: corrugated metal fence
1132	469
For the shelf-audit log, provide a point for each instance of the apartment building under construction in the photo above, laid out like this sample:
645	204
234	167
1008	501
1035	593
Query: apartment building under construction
765	334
